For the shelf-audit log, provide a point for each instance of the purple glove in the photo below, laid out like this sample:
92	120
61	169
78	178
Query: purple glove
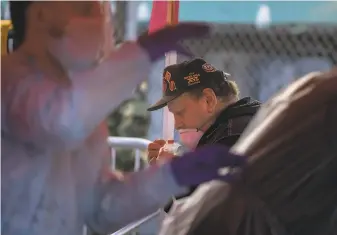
167	39
205	164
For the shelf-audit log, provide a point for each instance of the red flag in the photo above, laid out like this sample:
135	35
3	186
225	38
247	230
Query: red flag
163	13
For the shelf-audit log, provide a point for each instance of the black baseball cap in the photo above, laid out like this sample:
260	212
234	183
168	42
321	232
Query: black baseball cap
185	76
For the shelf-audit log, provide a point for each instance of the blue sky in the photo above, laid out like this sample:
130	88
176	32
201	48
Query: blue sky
246	12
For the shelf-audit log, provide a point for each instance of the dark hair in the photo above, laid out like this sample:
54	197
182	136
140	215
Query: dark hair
227	89
18	11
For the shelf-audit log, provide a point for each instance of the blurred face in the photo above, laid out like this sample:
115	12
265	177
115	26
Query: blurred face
58	14
191	112
78	32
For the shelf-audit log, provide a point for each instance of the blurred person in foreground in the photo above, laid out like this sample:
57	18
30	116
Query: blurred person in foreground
205	104
57	88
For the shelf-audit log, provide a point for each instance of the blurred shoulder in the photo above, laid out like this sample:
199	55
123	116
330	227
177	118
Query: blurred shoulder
14	66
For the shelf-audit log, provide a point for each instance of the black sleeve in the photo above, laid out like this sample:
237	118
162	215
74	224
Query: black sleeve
232	134
229	140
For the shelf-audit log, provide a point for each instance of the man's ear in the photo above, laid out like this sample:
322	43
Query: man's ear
210	99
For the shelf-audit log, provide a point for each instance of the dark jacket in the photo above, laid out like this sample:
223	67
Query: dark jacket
230	124
228	127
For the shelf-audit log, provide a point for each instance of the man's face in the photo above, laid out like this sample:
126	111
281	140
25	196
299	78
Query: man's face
191	112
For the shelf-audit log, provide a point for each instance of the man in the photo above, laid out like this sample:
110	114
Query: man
205	105
56	90
289	185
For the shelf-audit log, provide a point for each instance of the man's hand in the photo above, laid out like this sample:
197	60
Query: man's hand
154	149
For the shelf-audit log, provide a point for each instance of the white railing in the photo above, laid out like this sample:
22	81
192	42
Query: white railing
132	228
138	144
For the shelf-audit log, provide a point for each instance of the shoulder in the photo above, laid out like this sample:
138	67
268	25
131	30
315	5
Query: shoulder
14	68
20	73
237	116
231	130
244	107
234	120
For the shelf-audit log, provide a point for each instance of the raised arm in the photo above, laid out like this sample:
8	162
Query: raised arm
41	110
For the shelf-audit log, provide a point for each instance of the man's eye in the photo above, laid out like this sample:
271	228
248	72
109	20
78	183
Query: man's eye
180	112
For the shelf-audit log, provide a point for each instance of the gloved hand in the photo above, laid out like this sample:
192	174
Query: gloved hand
167	39
205	164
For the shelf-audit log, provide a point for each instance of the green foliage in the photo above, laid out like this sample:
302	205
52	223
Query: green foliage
130	119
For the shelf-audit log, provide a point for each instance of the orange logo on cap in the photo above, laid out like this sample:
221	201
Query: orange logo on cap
167	83
164	86
167	76
208	68
192	79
